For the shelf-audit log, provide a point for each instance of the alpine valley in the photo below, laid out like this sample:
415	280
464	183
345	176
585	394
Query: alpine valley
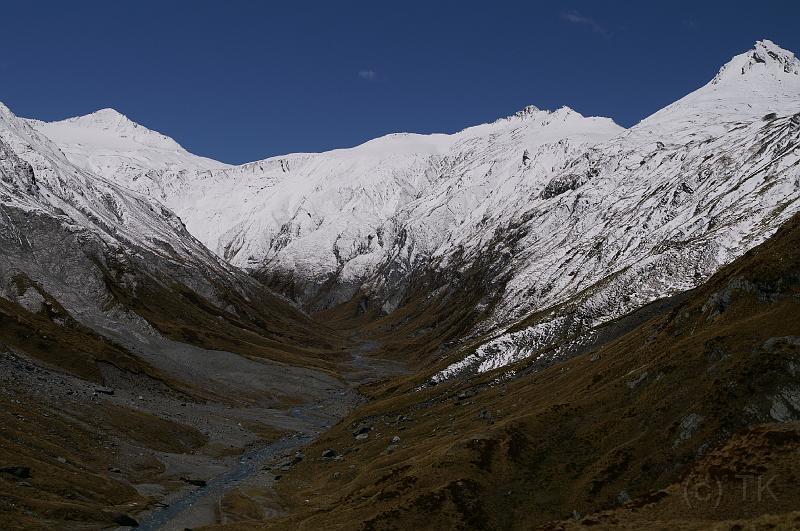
544	321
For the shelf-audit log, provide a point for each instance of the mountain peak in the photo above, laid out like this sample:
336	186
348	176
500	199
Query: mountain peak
108	114
532	111
528	110
108	111
107	118
111	121
765	59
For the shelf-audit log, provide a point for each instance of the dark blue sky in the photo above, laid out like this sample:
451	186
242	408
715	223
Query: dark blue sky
240	81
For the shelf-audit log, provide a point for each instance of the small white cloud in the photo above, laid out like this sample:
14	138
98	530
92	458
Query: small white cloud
574	17
689	24
369	75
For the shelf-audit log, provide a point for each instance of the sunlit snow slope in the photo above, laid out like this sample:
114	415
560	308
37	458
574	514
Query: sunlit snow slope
337	214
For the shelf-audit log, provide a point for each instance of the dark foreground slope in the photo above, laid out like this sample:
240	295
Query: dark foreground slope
104	421
92	428
660	427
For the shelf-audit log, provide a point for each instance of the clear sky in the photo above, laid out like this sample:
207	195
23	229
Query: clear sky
243	80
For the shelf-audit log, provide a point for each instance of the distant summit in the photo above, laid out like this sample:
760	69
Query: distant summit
765	58
113	122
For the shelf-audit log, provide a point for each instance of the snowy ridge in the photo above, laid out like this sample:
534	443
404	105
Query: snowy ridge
325	214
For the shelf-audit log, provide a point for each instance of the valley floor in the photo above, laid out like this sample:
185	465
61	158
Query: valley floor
145	452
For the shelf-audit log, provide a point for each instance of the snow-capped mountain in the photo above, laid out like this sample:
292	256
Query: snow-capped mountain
49	183
336	215
581	220
654	211
92	254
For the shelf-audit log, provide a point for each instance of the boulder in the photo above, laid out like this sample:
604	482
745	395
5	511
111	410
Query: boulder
21	472
195	482
361	430
124	520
